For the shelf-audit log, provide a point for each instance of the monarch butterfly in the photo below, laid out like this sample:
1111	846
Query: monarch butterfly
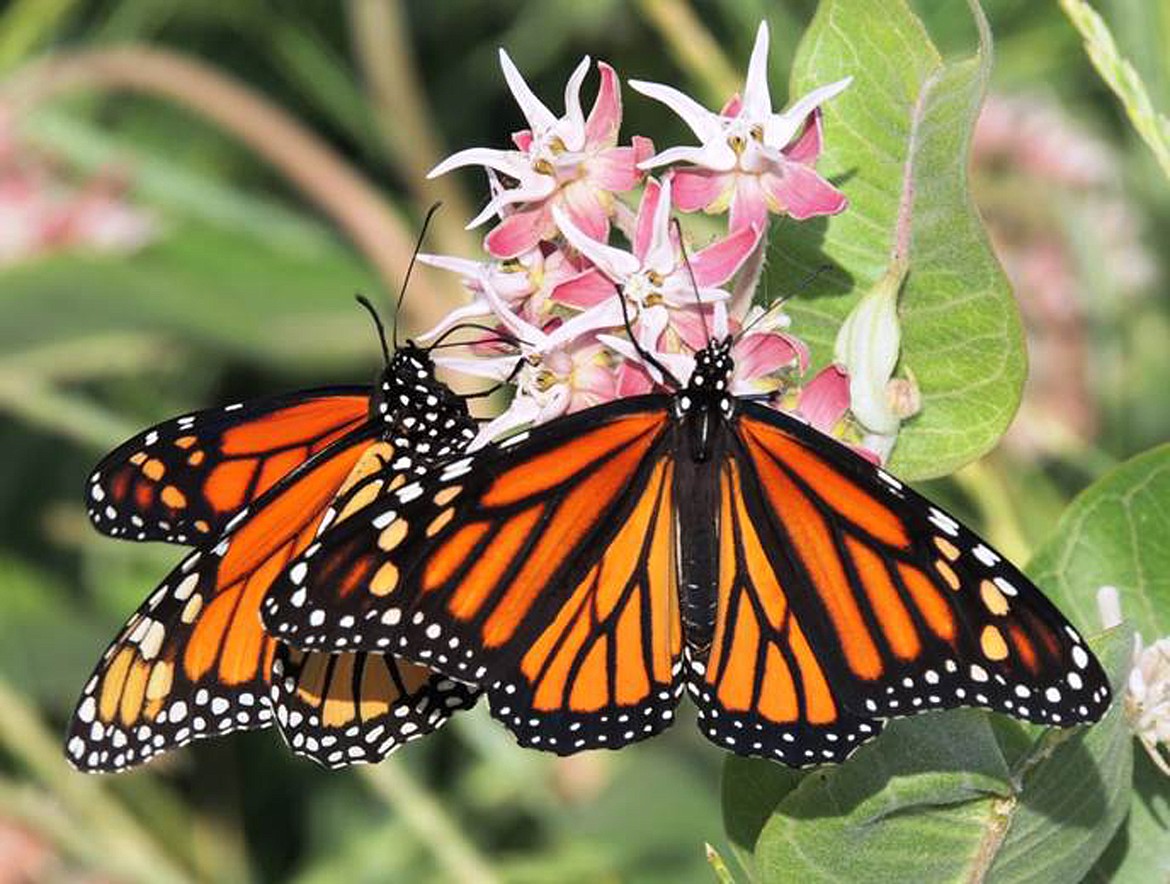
251	485
592	570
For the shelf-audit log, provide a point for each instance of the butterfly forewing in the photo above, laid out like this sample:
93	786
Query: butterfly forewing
194	660
185	479
562	572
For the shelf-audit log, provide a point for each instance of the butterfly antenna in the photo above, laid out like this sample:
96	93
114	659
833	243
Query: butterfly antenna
483	394
694	282
783	299
365	302
500	335
422	234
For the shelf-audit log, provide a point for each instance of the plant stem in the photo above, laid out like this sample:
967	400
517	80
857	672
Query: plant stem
41	404
984	484
308	162
383	50
693	47
430	822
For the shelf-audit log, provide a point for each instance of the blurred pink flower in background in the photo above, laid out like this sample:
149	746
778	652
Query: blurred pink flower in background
1050	191
42	212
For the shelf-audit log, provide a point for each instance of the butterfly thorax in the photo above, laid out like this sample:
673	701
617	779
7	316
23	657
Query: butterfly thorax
417	408
706	401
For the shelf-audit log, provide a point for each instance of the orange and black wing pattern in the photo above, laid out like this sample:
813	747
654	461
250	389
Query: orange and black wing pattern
761	689
544	569
902	608
194	660
184	480
351	708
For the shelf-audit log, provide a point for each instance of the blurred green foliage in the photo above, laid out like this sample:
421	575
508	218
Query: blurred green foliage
248	291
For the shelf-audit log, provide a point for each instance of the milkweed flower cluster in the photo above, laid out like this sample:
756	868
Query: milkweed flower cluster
585	276
1147	699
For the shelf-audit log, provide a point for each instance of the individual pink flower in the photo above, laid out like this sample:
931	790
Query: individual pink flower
526	283
654	278
571	162
555	369
751	160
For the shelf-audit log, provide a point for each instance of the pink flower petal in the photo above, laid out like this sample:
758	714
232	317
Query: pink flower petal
605	118
519	232
733	106
695	189
587	208
800	192
749	206
585	290
719	261
825	399
631	379
760	355
807	146
693	328
615	169
644	229
522	139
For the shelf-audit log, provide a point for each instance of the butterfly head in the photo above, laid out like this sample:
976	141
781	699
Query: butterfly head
411	401
713	368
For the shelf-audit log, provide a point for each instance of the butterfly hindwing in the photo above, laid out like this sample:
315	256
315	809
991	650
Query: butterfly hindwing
906	609
194	660
183	480
761	689
348	708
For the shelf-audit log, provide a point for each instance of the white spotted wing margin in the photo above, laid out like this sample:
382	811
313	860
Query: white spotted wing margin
140	700
345	708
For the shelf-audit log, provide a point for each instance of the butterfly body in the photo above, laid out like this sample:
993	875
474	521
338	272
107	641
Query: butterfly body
592	570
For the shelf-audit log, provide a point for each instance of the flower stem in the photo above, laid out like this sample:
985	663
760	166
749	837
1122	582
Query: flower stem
308	162
693	47
429	822
383	50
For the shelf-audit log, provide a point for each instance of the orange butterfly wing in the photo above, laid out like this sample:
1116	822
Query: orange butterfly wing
183	480
553	581
194	660
903	608
761	689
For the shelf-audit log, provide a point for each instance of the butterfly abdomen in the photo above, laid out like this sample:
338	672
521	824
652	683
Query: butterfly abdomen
697	552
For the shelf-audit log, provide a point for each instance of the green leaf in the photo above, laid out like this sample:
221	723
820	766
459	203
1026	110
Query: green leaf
217	288
1115	533
1140	851
1075	790
915	798
934	799
904	127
